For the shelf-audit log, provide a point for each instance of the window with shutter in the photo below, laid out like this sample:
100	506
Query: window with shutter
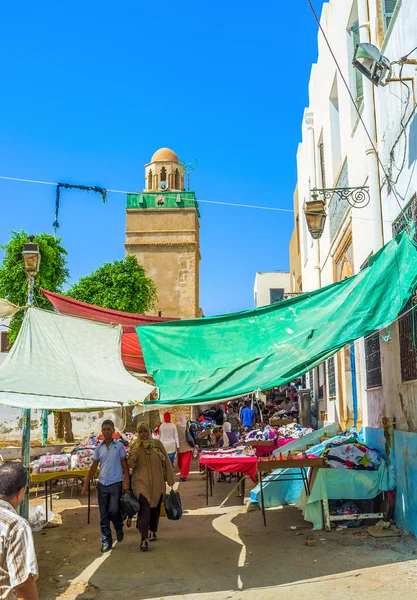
276	295
388	7
331	375
358	75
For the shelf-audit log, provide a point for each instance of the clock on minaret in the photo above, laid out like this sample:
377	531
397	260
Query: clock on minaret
162	231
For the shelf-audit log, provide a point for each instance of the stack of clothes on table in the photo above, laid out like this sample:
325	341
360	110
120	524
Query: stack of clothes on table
82	459
262	434
348	452
293	431
51	463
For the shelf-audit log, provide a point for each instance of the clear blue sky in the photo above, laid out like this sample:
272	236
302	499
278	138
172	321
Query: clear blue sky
91	89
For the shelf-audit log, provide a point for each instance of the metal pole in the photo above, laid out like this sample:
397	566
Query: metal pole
24	507
44	427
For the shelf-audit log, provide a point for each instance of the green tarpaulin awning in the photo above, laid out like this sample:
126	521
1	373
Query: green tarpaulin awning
220	357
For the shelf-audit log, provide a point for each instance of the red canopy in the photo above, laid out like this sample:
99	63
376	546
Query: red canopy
132	356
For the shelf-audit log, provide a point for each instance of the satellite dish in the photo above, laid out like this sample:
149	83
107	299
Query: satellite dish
163	185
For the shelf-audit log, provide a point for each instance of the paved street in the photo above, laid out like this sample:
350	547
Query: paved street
214	553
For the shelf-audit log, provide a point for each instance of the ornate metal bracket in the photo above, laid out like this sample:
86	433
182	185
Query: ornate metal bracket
358	197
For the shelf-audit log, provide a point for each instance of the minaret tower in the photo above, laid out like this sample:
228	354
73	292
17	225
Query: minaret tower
162	231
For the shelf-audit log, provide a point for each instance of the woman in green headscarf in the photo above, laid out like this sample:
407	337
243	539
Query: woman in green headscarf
151	468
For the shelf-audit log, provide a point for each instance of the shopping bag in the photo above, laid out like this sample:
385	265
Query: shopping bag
162	512
189	437
129	504
173	506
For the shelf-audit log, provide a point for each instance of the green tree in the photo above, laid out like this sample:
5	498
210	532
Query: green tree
120	285
53	273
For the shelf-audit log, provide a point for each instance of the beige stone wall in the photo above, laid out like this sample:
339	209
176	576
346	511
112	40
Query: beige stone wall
166	242
294	249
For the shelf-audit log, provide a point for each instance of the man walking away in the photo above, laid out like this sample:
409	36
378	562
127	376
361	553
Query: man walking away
114	476
248	416
18	566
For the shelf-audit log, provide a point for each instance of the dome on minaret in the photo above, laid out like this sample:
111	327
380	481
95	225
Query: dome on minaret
164	154
165	172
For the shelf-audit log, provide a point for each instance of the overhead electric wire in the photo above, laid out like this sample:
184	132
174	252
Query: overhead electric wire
273	208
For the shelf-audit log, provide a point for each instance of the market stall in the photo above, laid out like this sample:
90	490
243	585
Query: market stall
299	471
46	478
229	461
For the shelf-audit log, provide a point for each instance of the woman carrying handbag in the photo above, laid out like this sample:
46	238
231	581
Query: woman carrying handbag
151	468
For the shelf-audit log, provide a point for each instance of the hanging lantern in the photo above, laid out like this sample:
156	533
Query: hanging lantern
31	257
315	216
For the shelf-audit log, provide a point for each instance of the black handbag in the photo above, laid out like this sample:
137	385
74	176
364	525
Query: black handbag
129	504
173	506
189	437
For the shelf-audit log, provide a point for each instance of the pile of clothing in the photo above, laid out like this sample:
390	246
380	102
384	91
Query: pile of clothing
82	458
262	434
52	463
348	452
293	430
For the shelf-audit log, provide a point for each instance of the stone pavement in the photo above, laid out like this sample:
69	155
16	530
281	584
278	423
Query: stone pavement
218	554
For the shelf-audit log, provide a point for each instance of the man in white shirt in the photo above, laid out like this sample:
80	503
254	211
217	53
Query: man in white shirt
18	565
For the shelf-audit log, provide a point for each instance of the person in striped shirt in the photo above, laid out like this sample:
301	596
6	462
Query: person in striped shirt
18	565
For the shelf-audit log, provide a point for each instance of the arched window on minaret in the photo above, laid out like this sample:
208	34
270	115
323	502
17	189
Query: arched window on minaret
163	174
177	180
150	180
155	185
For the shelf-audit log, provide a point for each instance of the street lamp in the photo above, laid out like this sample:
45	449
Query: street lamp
370	62
315	216
31	259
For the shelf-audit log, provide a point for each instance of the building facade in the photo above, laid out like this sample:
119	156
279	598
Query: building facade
271	287
371	383
162	231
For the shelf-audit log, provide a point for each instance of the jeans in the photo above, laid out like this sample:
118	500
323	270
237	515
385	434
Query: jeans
148	518
171	457
109	505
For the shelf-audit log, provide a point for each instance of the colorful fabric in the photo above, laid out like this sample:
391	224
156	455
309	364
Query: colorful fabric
232	355
355	455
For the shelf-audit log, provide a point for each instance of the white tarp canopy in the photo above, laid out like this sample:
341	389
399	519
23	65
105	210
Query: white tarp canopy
60	362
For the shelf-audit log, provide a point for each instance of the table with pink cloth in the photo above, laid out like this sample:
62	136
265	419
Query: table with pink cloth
262	448
246	466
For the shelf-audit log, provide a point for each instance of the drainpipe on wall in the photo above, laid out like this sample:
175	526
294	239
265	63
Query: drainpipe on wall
309	121
369	117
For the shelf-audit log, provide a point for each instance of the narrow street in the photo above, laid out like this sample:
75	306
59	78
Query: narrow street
218	554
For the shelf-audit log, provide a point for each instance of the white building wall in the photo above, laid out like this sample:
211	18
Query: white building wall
352	145
265	281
